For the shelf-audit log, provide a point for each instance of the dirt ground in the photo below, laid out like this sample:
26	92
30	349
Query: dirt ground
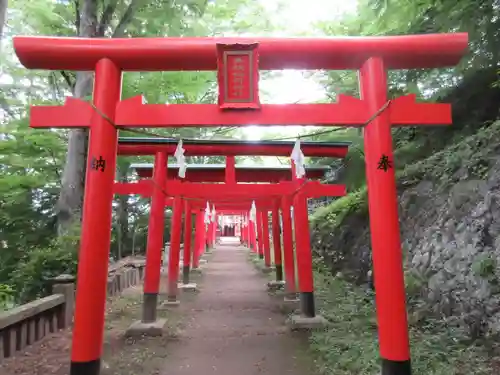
232	326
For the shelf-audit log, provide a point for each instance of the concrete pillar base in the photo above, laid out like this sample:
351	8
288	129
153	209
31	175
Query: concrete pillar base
191	287
185	274
153	329
149	302
275	285
303	323
169	304
267	270
289	306
291	297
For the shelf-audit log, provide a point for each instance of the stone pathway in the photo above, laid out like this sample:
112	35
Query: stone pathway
233	326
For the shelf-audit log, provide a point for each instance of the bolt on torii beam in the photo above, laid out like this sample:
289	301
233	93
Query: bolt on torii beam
372	56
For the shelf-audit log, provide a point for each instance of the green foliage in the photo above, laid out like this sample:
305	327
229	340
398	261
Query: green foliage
30	279
6	297
349	345
485	266
334	214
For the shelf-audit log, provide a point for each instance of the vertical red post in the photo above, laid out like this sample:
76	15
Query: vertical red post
265	238
253	240
384	226
248	231
304	256
155	240
208	234
260	243
199	236
92	277
242	231
288	252
230	170
175	249
205	237
187	242
277	240
214	230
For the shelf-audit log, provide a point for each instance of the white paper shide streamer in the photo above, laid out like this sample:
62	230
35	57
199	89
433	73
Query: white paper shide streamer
253	212
299	160
181	159
207	214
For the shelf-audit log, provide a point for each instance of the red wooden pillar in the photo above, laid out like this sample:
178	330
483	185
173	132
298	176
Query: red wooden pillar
253	240
205	235
277	241
209	234
304	256
175	249
230	175
288	252
155	240
214	230
248	231
242	232
187	242
260	244
96	226
384	225
265	238
199	245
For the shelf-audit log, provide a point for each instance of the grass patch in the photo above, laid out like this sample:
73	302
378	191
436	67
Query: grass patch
349	345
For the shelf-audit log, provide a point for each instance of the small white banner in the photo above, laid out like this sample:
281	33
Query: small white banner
181	159
299	160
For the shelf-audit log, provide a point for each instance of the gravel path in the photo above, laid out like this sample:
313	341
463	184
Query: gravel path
233	326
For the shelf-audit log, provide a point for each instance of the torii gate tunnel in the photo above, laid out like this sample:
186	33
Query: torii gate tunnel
278	192
238	61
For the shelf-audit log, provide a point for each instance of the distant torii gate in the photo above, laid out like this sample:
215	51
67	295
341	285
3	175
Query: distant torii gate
238	61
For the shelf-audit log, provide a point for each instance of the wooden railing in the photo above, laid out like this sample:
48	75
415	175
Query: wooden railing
26	324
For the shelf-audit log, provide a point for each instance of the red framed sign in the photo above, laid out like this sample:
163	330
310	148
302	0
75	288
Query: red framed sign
238	76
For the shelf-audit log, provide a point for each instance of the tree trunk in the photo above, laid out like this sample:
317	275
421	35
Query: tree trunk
69	206
3	12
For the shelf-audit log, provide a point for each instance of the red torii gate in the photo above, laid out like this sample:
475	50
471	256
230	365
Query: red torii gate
371	55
